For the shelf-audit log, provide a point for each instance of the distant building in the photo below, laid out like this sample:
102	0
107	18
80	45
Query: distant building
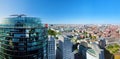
51	48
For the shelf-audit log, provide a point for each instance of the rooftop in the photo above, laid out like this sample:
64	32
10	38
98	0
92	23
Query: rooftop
91	52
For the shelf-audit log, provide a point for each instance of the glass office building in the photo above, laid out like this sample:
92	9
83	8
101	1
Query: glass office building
23	38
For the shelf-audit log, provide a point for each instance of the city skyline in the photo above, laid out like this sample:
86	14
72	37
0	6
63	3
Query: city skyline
65	11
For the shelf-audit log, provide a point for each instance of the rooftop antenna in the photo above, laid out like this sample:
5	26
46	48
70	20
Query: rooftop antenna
18	15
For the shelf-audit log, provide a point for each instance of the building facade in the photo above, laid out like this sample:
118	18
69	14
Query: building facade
51	48
95	52
102	43
65	46
23	37
90	54
82	51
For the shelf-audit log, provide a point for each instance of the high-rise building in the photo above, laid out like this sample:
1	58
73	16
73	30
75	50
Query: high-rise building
51	48
65	45
22	37
102	43
82	51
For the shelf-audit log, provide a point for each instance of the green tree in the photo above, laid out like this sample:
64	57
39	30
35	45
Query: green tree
85	34
94	37
52	32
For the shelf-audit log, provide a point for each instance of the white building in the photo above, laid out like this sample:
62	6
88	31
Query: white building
51	48
95	52
90	54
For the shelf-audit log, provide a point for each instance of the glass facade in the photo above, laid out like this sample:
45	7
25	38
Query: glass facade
23	38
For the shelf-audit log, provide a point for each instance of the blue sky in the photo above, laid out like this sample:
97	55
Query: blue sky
65	11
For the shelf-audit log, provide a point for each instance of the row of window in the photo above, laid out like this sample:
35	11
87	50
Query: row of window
6	56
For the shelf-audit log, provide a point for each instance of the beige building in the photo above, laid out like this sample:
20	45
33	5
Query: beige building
117	56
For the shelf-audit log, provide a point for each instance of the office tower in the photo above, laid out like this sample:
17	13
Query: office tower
82	51
51	48
23	37
65	47
102	43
